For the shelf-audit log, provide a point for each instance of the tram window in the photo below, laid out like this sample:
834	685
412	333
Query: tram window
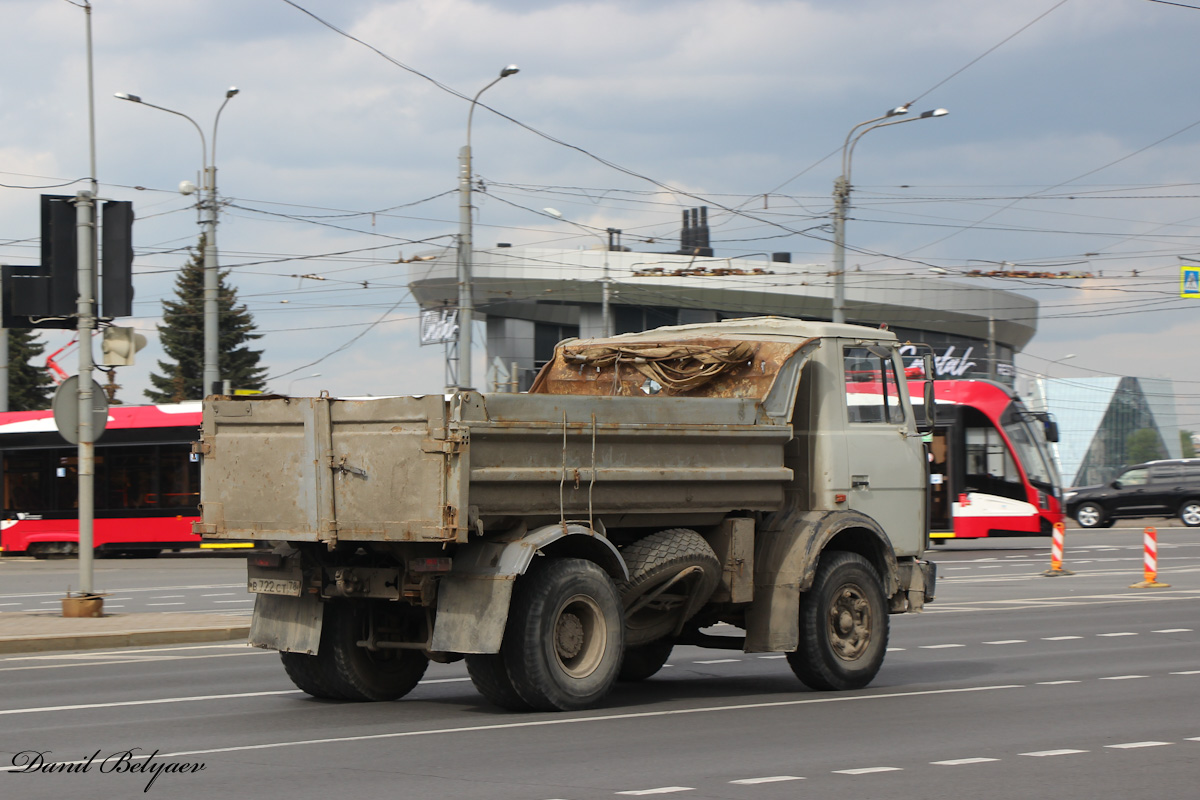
990	467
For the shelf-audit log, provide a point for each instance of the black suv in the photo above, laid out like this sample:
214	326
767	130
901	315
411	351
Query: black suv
1154	489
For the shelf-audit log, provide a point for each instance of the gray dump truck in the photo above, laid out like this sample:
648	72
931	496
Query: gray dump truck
764	473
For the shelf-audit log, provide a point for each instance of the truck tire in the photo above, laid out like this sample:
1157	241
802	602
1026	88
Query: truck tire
654	560
843	625
1090	515
491	680
358	674
565	635
645	660
311	674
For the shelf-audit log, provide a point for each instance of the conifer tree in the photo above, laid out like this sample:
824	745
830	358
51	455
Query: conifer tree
182	337
30	387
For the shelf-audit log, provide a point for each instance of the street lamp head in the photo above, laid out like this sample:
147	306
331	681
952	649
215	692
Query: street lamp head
231	92
937	112
897	111
133	98
554	212
511	69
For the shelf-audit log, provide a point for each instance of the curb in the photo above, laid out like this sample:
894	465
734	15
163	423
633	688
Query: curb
94	641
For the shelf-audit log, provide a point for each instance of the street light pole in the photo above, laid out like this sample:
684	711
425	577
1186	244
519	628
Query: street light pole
208	203
841	198
466	302
606	326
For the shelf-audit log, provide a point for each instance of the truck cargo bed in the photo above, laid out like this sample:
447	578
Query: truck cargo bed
412	469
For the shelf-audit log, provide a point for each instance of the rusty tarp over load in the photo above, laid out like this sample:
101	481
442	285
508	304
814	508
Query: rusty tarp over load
692	367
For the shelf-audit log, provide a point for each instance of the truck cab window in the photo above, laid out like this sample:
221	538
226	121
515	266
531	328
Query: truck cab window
871	388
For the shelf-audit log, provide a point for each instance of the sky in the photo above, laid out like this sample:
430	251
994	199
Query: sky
1072	145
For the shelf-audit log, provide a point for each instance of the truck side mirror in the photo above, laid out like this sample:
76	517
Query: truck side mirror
930	410
1051	430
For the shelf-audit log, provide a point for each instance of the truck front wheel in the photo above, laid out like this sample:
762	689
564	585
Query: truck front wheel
843	625
565	635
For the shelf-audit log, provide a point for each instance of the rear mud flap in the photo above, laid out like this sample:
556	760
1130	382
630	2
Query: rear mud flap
287	624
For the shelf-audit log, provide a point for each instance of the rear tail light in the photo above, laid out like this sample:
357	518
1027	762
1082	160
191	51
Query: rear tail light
268	560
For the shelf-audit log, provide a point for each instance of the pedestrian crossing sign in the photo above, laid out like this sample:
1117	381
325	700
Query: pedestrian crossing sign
1189	281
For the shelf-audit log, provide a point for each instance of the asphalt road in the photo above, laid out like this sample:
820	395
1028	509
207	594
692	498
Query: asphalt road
194	582
1011	685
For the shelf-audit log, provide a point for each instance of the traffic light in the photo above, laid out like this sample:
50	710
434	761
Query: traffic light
116	261
120	345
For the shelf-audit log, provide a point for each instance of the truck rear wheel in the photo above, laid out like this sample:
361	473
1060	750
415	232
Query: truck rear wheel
843	625
644	661
565	636
341	670
491	680
311	674
359	674
652	562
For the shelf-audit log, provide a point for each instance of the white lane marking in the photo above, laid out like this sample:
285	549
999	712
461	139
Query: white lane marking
866	770
1188	672
719	661
1174	630
94	653
165	604
1192	739
1008	641
242	600
1134	745
1124	677
1048	753
560	720
1059	638
956	762
996	566
12	604
219	594
771	779
124	703
660	790
896	649
939	646
168	596
1122	633
1056	683
772	656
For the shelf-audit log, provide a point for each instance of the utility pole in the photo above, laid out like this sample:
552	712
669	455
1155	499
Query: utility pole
841	198
85	232
466	300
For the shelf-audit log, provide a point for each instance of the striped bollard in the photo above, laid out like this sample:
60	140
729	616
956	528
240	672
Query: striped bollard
1056	553
1150	562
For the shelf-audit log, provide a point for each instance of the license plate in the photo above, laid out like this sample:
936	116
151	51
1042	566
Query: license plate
274	586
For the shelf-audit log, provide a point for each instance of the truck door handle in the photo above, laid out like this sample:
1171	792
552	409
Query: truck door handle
860	481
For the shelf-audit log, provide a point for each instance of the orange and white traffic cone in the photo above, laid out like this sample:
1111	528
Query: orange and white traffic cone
1150	562
1056	553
